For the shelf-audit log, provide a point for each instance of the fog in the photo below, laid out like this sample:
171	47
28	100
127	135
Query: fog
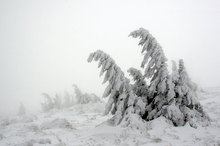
44	44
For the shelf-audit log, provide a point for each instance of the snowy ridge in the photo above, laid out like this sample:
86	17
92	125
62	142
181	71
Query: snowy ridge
85	125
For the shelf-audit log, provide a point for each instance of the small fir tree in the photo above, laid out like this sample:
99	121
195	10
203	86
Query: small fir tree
22	110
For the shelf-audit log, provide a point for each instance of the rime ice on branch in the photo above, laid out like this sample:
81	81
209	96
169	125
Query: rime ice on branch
140	85
161	88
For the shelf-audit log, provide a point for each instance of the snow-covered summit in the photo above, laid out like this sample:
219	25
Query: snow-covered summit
85	125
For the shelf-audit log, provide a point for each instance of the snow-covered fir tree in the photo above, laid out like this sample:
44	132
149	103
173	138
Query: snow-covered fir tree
118	89
78	93
22	110
139	87
187	98
168	95
67	100
185	87
60	101
161	88
174	74
48	102
84	98
57	101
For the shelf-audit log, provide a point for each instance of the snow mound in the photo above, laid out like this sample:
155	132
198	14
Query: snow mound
32	142
159	123
56	123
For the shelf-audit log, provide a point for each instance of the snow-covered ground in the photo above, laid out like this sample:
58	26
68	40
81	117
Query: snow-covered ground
84	125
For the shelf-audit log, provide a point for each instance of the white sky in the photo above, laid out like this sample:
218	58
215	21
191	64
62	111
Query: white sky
44	44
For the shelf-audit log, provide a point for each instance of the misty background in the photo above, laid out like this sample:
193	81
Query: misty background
44	44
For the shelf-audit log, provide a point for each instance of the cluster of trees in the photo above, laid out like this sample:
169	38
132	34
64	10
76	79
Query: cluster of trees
154	93
67	100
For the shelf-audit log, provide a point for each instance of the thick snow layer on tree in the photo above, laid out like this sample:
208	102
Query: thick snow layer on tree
173	96
119	90
85	125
